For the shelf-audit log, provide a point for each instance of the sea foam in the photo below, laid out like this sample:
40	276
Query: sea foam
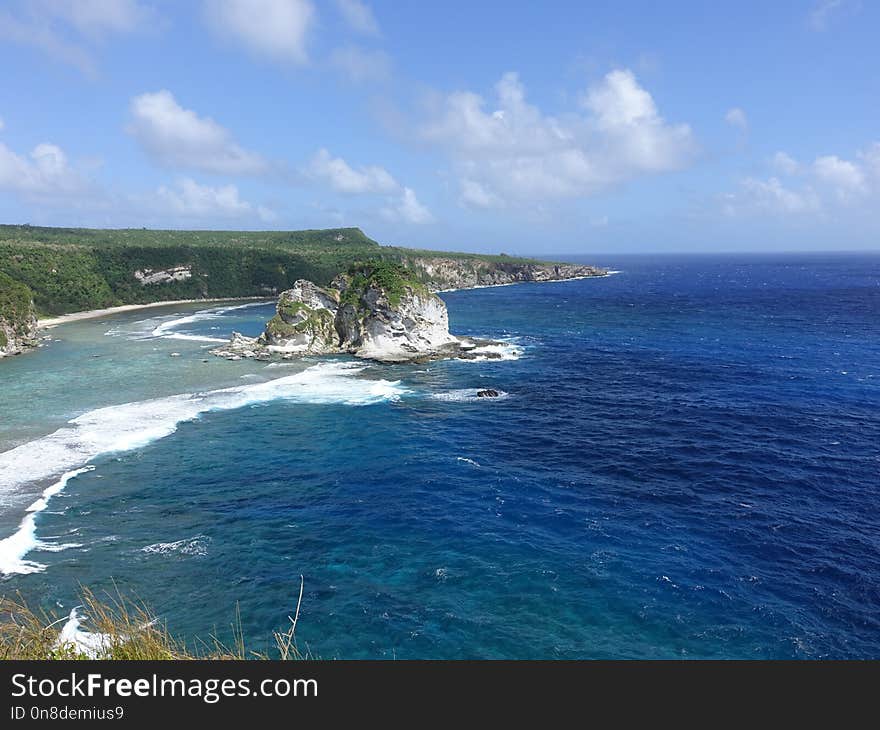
22	541
197	545
467	395
94	645
167	329
130	426
500	351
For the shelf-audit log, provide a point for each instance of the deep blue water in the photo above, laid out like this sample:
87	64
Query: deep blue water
685	465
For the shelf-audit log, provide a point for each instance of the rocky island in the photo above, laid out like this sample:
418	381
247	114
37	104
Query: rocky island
377	311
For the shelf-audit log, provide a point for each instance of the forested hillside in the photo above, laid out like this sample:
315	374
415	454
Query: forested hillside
73	269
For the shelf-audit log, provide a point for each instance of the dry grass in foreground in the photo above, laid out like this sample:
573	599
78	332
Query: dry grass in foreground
118	629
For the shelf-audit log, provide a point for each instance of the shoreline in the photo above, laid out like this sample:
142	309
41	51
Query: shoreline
49	322
542	281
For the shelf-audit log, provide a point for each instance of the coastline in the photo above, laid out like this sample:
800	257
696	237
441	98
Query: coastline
542	281
49	322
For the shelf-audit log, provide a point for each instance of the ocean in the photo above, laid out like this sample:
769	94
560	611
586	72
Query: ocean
683	463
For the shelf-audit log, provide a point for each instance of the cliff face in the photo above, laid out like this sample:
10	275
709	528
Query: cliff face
17	337
376	312
442	272
305	321
385	323
18	321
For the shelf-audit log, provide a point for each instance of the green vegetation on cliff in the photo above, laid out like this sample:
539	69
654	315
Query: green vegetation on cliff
390	276
73	269
77	269
15	306
279	329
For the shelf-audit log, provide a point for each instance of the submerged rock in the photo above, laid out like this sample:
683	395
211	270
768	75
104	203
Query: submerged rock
487	393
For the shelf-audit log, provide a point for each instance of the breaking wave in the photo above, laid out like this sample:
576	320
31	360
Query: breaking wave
167	329
504	350
14	548
197	545
130	426
147	329
467	395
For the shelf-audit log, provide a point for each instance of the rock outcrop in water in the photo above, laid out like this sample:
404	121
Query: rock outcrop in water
18	321
377	311
305	322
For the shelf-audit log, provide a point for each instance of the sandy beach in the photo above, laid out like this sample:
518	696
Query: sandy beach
95	313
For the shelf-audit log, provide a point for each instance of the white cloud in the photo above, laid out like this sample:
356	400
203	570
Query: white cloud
736	117
45	172
359	16
407	209
516	152
474	195
99	17
345	179
40	36
871	159
401	204
626	113
772	196
830	183
822	13
463	126
785	163
278	29
48	24
619	101
179	138
2	124
843	177
360	65
189	199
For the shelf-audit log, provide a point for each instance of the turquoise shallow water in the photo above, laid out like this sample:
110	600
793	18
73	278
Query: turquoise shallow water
683	464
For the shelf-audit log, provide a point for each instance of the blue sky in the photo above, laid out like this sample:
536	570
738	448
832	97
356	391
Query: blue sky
487	126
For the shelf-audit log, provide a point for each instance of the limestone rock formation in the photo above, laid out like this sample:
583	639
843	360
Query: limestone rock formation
377	311
468	272
18	320
305	322
386	315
